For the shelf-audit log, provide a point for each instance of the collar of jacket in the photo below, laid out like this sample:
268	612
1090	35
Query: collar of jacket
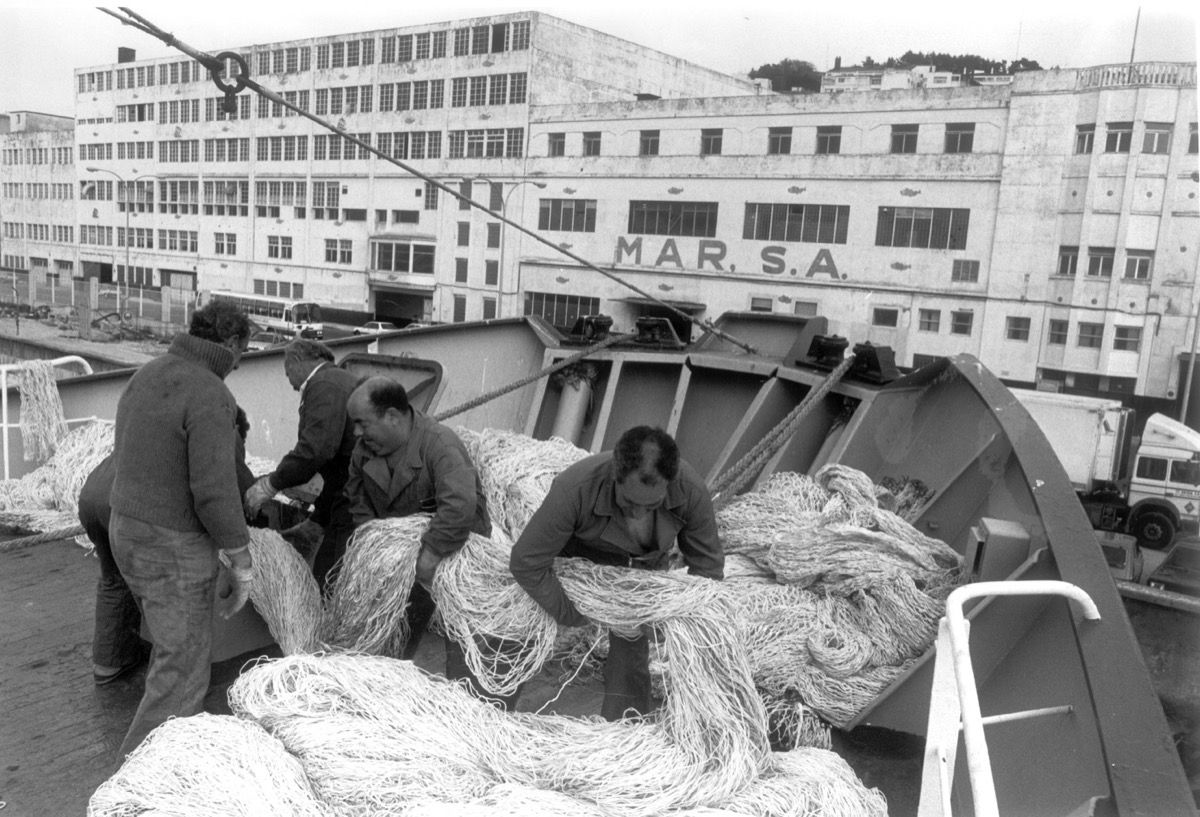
606	504
216	358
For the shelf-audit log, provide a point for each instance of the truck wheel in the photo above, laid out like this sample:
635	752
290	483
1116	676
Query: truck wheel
1154	530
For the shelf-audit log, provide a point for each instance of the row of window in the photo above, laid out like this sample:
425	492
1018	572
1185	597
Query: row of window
958	137
1118	138
481	39
940	228
60	233
62	269
37	156
1017	328
37	191
1139	264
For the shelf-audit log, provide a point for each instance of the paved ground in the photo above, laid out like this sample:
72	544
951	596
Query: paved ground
68	342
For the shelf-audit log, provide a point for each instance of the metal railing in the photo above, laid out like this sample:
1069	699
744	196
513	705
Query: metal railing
1171	74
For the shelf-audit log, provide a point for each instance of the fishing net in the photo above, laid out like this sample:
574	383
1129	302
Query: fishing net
376	735
208	764
43	423
284	592
515	472
47	498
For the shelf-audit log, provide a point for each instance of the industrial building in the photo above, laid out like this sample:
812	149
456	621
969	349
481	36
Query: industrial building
1047	225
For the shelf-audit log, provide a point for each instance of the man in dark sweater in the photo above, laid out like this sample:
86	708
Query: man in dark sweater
117	646
178	533
323	445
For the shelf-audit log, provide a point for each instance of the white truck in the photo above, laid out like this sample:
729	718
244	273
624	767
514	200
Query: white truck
1151	495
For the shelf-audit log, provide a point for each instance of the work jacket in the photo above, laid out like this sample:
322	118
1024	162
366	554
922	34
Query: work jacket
434	474
580	517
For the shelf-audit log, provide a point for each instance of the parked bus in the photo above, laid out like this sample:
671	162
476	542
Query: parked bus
285	315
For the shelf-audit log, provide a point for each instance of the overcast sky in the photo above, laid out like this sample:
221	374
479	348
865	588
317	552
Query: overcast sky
41	44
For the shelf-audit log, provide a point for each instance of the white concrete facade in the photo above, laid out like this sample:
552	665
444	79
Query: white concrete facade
982	193
1032	194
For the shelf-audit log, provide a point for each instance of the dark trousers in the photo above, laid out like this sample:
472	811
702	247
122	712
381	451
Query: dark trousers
627	668
115	640
173	576
421	608
626	678
338	529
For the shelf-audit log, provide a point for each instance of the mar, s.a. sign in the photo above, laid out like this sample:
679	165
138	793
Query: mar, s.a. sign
710	254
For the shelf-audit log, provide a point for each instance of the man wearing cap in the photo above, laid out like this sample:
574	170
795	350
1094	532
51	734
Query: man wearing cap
623	507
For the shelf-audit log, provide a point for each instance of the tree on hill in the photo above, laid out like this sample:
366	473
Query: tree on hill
788	74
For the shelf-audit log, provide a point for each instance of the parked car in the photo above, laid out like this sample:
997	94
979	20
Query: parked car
375	328
266	339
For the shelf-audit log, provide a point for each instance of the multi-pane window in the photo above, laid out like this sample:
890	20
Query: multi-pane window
496	196
829	139
1139	264
1100	262
325	200
431	196
960	137
279	246
1017	328
591	143
568	215
1091	335
929	320
1118	137
648	143
338	251
402	256
1057	332
813	223
559	309
497	89
678	218
904	138
1157	138
1068	261
517	87
961	322
1085	138
520	35
710	141
557	144
885	316
225	243
477	94
458	92
963	271
935	228
779	140
489	308
1127	338
762	304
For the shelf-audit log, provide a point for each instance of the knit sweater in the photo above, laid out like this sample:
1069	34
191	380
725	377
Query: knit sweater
175	444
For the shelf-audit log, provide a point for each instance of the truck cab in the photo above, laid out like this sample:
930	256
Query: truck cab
1164	486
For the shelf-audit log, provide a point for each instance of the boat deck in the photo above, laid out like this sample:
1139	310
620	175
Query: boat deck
60	732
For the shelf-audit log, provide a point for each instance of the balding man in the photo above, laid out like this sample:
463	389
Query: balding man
323	444
624	507
405	463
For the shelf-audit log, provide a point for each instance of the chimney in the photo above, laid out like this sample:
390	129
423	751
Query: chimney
126	54
837	63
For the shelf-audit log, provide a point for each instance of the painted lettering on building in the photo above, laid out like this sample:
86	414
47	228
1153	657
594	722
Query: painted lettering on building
709	255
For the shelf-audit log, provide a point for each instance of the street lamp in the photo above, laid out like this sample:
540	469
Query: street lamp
128	208
503	241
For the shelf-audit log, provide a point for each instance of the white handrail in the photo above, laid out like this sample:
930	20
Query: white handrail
66	360
979	764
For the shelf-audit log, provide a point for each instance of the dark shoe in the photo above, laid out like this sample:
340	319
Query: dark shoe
105	680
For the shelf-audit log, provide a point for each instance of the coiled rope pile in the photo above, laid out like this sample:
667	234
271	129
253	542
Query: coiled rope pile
43	423
516	471
47	498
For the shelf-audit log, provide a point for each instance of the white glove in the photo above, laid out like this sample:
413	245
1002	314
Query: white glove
257	496
233	580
